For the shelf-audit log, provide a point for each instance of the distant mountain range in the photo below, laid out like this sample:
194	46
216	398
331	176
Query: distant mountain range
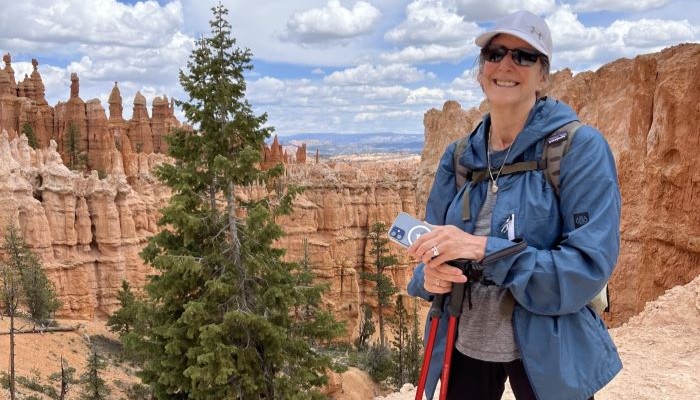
332	144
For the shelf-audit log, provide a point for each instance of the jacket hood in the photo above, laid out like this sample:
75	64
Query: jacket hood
545	117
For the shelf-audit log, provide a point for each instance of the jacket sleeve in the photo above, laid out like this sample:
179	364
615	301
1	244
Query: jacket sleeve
441	195
564	279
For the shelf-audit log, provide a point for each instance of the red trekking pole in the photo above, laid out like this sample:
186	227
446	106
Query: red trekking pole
435	314
455	310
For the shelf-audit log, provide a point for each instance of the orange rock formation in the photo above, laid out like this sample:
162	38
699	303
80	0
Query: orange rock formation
276	154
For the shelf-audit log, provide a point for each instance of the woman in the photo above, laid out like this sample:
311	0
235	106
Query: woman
529	319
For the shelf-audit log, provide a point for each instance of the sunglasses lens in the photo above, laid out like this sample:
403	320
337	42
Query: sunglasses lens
524	58
494	54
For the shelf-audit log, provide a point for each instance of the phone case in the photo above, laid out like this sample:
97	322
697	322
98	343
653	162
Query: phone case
406	229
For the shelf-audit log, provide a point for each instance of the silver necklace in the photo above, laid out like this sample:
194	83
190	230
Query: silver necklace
494	186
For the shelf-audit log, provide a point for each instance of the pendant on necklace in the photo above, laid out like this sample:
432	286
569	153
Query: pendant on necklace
494	187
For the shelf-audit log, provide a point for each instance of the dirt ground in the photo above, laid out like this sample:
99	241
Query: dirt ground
40	354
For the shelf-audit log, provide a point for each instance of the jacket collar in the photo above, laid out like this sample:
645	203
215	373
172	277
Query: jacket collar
544	117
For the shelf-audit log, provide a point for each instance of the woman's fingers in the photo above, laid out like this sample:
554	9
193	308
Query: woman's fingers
443	272
446	243
436	285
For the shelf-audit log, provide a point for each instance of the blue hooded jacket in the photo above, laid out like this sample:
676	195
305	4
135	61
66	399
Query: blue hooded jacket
565	250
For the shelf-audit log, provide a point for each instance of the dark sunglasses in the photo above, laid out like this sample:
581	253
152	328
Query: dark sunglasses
521	57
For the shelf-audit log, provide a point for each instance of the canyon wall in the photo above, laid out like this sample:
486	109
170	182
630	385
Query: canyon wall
341	201
87	231
648	109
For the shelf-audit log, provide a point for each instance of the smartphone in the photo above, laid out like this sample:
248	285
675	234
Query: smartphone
406	229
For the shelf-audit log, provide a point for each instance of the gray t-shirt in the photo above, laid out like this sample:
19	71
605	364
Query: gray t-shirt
486	331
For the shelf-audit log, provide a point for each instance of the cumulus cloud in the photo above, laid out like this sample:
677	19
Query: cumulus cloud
139	45
576	44
384	74
332	22
654	33
431	22
397	114
103	22
618	5
480	10
428	53
425	95
569	34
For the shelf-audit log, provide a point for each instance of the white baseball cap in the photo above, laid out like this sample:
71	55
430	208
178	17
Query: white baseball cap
525	25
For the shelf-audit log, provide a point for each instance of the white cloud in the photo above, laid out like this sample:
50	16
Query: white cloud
654	33
576	44
618	5
428	53
397	114
382	74
481	10
431	22
568	33
332	22
426	96
104	23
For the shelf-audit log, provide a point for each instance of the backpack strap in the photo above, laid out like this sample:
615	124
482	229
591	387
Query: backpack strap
555	148
462	173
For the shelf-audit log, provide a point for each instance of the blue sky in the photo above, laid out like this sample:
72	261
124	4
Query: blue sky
344	66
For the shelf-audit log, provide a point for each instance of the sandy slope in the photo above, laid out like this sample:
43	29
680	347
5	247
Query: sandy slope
660	350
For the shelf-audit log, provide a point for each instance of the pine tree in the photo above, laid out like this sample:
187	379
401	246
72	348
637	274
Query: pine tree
122	320
414	347
93	386
39	292
385	289
401	330
76	158
367	329
66	378
31	136
218	321
10	270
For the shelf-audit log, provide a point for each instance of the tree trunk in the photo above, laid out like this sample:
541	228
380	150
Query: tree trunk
12	354
232	224
64	382
41	330
380	310
212	197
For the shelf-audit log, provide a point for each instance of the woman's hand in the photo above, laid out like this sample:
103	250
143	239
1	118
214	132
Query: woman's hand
442	244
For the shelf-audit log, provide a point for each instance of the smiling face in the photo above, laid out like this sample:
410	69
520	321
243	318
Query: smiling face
507	84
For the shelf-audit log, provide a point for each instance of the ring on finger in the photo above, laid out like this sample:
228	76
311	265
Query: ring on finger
436	252
437	282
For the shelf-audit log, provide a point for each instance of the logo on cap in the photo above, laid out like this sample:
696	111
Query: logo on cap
534	30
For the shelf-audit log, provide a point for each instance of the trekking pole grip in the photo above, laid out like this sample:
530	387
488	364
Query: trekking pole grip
436	306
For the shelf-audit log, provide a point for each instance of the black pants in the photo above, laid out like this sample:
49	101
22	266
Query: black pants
472	379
